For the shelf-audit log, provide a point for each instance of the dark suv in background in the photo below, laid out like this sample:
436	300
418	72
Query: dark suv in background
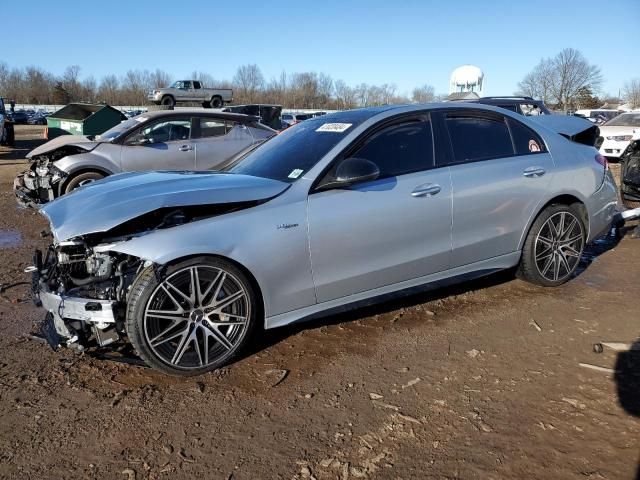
521	105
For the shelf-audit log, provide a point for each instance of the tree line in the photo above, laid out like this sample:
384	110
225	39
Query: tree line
566	81
34	85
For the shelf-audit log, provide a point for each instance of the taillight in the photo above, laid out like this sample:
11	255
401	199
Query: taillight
602	160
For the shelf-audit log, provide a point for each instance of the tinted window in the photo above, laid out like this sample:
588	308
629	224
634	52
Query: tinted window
210	127
167	131
196	84
525	140
400	149
478	138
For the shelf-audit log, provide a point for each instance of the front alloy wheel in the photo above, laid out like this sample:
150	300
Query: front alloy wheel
193	318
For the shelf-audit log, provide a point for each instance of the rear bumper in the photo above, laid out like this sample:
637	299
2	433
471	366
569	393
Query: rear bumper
603	207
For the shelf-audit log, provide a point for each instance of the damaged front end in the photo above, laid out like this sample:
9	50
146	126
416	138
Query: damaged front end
40	184
84	292
43	181
85	277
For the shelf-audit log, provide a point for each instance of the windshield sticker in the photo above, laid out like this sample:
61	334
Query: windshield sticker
296	173
140	119
533	146
334	127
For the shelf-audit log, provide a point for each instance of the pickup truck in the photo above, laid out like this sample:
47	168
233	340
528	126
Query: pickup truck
191	91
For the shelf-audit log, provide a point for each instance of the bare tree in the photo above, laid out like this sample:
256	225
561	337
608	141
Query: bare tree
560	79
631	92
345	95
109	90
71	83
249	81
159	79
423	94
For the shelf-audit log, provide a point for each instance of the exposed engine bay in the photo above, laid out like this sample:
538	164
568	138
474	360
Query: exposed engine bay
43	181
84	287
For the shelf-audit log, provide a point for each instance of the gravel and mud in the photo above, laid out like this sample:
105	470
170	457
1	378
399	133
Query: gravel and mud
482	380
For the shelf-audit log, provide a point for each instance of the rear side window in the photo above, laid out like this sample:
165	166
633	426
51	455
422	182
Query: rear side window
215	128
476	138
525	140
400	149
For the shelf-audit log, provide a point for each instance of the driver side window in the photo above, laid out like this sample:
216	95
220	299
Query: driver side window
400	149
163	131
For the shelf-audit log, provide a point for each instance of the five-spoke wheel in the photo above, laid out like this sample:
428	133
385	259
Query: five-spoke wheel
192	318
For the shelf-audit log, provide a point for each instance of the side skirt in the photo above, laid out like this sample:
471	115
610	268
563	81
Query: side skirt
388	292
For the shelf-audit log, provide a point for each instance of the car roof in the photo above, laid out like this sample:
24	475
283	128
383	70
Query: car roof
195	112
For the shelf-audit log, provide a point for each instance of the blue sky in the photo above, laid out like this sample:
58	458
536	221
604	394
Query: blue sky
408	43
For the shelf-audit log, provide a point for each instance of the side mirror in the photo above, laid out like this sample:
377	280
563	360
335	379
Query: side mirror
353	170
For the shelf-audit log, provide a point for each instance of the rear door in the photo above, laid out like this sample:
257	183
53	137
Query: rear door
217	140
500	170
389	230
168	146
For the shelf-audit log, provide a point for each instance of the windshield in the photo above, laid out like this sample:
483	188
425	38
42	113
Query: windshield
121	128
287	156
625	120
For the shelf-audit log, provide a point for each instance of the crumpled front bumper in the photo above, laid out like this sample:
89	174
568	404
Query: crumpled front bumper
31	190
97	313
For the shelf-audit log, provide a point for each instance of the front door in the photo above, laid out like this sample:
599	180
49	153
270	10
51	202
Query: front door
385	231
162	145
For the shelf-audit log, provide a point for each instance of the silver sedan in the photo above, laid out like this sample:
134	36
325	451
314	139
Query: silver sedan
168	140
333	213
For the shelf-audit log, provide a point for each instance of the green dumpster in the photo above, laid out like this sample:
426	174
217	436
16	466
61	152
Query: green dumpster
83	119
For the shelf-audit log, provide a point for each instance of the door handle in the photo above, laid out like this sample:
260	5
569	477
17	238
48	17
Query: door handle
426	190
532	172
185	148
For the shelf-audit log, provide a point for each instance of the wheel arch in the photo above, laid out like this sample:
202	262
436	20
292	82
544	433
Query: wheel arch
562	199
79	171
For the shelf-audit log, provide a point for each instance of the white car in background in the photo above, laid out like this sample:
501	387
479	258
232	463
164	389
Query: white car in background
617	133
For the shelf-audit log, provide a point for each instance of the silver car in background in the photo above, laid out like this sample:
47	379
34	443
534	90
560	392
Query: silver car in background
163	140
336	212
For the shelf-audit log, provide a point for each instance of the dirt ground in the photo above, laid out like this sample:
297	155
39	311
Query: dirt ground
478	381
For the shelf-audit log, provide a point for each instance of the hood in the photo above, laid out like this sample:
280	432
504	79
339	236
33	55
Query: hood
105	204
575	129
613	130
62	141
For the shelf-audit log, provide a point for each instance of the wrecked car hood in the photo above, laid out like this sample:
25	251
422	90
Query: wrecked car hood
61	141
107	203
574	128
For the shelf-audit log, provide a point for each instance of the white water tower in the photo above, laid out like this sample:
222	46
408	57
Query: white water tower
467	78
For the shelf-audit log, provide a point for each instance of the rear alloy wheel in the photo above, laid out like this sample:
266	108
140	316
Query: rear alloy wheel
553	247
194	317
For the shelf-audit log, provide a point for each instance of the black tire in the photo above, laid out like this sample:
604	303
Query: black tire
81	179
562	258
182	336
10	139
216	102
206	105
168	100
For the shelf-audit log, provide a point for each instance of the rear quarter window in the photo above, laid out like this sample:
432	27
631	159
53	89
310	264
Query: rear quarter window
476	138
525	140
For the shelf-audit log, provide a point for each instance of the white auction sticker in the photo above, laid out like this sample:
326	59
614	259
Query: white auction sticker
296	173
140	119
334	127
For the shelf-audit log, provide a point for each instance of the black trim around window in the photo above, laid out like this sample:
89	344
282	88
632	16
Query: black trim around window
396	120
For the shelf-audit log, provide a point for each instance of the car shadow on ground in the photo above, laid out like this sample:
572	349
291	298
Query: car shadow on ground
627	377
